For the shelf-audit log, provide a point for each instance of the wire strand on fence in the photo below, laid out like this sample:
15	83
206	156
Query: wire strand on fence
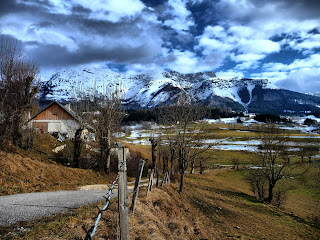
118	220
92	231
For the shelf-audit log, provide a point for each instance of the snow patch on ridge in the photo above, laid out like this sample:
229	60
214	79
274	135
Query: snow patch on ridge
149	89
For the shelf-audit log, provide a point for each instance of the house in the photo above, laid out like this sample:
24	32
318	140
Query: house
57	119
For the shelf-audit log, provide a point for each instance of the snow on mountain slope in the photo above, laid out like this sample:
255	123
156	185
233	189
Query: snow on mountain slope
150	89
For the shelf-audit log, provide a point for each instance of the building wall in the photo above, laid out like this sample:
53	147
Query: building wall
54	112
68	127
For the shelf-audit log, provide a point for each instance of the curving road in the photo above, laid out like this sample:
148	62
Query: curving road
29	206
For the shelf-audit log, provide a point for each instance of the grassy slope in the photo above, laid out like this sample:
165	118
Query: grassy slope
217	205
25	174
22	171
226	199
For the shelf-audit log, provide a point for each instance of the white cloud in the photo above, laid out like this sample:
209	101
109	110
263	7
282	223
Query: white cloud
213	44
242	31
272	76
247	57
109	10
249	47
27	31
302	75
229	73
186	62
305	80
312	61
307	42
112	10
181	17
247	65
258	46
269	67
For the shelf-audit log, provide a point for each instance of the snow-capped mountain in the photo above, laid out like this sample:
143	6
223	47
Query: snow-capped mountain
157	88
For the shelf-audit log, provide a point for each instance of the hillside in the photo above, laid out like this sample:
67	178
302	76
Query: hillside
22	171
154	89
217	205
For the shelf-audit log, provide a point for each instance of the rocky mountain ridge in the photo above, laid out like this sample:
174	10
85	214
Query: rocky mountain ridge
156	88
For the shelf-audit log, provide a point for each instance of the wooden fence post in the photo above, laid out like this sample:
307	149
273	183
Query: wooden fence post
201	168
150	183
136	185
123	194
164	179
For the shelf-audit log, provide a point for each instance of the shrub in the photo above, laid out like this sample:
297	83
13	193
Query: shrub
257	183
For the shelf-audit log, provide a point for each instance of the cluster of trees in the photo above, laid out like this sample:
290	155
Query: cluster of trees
309	122
18	86
156	114
183	147
102	113
270	118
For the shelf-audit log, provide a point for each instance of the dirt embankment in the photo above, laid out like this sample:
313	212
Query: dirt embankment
23	173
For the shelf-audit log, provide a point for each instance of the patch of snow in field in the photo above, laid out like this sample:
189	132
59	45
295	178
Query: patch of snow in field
221	120
304	129
305	136
302	119
236	148
141	142
132	127
119	134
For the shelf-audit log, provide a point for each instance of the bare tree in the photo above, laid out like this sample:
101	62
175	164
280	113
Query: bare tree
186	140
272	155
108	117
18	86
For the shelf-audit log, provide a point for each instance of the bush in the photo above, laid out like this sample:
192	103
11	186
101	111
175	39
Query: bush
279	198
235	163
309	122
257	183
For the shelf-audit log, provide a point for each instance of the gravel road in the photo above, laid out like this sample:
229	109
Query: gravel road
29	206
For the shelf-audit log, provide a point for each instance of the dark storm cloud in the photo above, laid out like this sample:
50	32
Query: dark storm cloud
78	9
7	6
14	6
302	8
154	3
55	56
130	40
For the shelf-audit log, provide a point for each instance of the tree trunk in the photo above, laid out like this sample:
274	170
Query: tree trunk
192	167
153	153
17	137
158	176
107	167
77	148
201	168
181	180
270	196
172	153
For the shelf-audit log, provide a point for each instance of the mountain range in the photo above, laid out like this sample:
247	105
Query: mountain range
157	88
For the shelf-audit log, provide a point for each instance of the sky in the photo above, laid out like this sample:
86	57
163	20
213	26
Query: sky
274	39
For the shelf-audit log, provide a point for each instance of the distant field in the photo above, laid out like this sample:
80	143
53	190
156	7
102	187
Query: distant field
234	141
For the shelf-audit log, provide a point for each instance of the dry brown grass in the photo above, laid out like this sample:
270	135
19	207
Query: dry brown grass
165	214
226	200
145	151
21	174
217	205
